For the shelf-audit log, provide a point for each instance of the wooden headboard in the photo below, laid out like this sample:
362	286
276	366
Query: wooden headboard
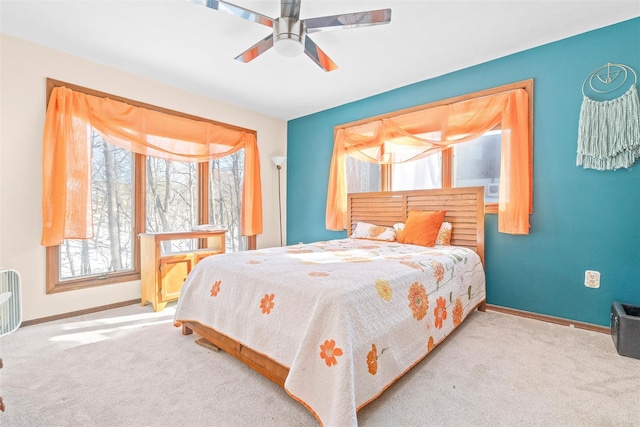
464	206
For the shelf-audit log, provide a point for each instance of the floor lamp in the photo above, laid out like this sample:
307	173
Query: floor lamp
279	161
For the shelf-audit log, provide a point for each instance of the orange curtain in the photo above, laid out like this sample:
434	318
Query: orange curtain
418	134
66	166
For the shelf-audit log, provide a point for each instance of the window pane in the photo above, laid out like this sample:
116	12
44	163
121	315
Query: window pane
362	177
477	163
172	200
112	192
421	174
226	176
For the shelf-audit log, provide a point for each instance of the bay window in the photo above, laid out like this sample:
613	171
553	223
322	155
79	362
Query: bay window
105	181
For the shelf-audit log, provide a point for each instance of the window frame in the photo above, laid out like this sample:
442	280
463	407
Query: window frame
447	154
52	256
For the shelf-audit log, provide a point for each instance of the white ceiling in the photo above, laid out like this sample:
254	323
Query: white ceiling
192	47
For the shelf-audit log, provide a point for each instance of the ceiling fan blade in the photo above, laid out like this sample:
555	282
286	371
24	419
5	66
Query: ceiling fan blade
318	56
257	49
290	9
348	20
241	12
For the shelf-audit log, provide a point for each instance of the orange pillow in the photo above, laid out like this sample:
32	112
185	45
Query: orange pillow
421	228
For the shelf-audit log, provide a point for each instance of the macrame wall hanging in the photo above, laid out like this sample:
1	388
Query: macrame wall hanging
609	130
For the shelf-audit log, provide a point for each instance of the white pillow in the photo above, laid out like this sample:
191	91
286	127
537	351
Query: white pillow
365	230
444	234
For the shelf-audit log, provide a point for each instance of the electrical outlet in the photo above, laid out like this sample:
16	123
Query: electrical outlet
592	279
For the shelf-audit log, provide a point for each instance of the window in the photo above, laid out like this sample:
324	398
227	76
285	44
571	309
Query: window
111	248
363	177
421	174
132	193
225	182
473	163
480	139
171	195
171	201
477	163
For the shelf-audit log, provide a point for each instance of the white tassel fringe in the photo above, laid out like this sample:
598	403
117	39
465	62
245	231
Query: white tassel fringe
609	132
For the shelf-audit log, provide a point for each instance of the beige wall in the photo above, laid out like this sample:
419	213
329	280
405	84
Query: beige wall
24	69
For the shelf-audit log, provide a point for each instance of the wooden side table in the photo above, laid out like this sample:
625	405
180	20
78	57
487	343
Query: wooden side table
162	274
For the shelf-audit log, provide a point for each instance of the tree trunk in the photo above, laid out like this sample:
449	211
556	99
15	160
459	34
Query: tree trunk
85	263
71	258
111	186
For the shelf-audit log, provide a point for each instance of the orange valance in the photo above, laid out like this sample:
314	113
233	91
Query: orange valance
418	134
66	163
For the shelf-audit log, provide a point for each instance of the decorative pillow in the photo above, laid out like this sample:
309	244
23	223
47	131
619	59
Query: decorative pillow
444	234
398	226
365	230
421	228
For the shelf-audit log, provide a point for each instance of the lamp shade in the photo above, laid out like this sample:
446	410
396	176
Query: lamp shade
289	47
278	160
289	35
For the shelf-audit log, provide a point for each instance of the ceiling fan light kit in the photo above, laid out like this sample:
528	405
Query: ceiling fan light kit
290	33
289	36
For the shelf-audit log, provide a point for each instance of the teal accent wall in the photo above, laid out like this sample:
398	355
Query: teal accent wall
582	219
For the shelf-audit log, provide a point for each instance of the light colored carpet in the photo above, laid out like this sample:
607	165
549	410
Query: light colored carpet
130	367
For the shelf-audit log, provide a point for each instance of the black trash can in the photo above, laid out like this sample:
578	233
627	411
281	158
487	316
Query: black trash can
625	329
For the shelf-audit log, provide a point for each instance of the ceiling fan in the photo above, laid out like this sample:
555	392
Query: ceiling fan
290	32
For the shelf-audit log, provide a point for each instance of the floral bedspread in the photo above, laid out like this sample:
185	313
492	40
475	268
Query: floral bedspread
348	317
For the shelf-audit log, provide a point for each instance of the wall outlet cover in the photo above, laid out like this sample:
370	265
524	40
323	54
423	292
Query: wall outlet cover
592	279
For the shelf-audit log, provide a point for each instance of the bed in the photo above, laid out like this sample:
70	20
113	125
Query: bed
337	322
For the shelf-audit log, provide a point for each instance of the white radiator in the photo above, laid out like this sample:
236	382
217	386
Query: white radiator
10	301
